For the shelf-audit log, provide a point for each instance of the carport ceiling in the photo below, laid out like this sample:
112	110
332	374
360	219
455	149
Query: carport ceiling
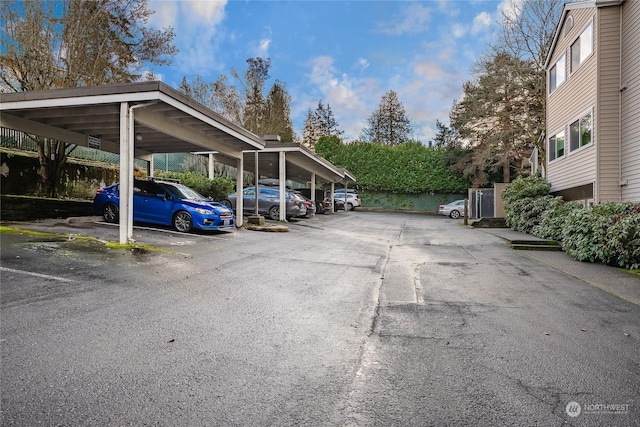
300	163
169	122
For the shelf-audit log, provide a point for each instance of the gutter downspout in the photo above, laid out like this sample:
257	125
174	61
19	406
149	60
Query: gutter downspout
128	181
622	88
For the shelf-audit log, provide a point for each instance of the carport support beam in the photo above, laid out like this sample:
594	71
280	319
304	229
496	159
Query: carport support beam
239	188
126	167
282	170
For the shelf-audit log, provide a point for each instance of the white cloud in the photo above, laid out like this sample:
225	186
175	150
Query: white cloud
481	22
196	25
458	30
413	19
510	9
349	97
363	64
260	48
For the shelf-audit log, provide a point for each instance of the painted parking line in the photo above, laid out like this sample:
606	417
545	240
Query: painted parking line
42	276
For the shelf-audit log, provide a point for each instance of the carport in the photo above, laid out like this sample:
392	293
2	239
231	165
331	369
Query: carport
293	162
289	162
133	120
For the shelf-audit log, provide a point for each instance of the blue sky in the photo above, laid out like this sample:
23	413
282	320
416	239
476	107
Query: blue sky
346	53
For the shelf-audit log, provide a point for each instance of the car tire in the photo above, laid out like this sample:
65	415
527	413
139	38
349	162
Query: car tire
182	221
274	213
227	203
350	206
110	213
454	214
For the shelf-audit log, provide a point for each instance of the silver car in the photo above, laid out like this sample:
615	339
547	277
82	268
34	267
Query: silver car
454	209
268	202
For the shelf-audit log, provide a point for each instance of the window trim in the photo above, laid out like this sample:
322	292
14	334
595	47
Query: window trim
577	40
564	79
585	113
563	129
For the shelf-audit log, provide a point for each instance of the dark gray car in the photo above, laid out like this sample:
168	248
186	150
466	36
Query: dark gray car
268	202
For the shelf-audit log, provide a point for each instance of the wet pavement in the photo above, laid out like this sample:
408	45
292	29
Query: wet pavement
353	319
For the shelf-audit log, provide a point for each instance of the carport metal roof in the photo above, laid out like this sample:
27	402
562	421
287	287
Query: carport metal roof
171	123
301	163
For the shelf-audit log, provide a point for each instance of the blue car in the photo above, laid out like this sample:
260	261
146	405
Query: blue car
164	202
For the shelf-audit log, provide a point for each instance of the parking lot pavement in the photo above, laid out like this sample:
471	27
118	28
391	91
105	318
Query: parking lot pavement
363	319
616	281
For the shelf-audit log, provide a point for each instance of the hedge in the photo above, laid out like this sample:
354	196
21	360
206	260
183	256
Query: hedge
608	233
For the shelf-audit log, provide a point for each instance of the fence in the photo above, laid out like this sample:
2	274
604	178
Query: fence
167	162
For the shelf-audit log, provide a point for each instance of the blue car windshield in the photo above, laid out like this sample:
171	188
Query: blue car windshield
184	192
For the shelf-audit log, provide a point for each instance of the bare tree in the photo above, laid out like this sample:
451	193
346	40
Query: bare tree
54	44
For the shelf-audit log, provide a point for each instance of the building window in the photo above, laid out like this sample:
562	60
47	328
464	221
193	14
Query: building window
580	132
557	74
556	146
582	48
568	25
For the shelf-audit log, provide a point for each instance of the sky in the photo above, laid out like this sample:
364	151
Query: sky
347	54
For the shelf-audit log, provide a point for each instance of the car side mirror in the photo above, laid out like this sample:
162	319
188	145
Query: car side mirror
162	196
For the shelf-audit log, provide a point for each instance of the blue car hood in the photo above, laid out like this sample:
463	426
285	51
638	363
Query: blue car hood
208	204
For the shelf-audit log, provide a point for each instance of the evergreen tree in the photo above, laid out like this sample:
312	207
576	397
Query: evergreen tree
318	124
278	113
447	136
253	85
389	124
494	116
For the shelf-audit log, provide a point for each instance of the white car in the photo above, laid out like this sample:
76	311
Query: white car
454	209
352	200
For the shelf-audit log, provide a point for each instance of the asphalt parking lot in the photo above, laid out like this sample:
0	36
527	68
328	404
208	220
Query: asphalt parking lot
352	319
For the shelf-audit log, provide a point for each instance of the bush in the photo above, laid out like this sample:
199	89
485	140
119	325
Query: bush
217	188
554	219
532	186
608	233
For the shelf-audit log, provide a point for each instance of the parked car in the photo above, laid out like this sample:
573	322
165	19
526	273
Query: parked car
268	202
323	203
308	203
165	202
352	202
454	209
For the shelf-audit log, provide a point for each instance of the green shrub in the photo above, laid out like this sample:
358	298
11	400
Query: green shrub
217	188
608	233
525	214
554	219
532	186
623	238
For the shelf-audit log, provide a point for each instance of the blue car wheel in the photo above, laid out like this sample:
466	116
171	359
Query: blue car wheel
182	221
110	213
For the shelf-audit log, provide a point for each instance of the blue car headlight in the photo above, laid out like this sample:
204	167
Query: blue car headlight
203	211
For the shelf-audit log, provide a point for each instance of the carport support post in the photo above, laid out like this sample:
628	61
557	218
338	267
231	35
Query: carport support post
333	202
211	166
282	165
126	168
313	187
239	194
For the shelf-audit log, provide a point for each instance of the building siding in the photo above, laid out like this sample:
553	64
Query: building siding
630	102
608	106
573	97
